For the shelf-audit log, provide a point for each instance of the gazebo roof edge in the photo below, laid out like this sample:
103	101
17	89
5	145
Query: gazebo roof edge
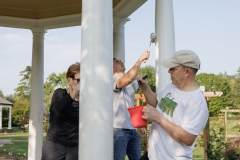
4	101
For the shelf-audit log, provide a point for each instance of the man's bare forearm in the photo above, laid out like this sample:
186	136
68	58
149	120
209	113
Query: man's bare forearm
150	96
129	76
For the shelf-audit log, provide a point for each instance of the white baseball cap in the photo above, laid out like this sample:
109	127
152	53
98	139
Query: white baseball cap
184	57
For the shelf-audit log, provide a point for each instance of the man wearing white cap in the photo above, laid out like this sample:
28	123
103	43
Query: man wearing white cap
178	113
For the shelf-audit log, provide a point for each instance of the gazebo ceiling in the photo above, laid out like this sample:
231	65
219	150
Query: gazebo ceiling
52	14
40	9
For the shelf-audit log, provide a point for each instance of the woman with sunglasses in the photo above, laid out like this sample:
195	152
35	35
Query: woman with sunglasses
62	136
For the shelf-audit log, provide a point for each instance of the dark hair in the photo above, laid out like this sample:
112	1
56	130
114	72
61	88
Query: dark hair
194	70
73	69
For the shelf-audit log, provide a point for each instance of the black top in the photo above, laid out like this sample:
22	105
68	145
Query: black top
64	119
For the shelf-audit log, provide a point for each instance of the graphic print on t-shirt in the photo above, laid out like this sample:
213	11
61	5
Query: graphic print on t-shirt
167	105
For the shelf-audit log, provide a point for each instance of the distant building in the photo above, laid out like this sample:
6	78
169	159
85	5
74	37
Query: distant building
6	104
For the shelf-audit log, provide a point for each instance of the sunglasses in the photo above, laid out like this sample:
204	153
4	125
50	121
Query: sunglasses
78	80
118	61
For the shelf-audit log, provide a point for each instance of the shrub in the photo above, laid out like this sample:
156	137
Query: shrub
232	149
216	144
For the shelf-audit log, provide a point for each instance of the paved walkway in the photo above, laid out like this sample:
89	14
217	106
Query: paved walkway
5	141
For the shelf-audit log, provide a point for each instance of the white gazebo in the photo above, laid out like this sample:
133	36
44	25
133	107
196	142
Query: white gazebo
6	104
102	37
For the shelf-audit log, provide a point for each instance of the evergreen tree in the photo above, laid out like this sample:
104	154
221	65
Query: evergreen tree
23	89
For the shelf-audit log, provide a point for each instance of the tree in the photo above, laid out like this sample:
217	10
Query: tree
53	81
221	83
213	83
235	86
57	80
21	97
150	71
1	94
10	98
23	89
20	111
205	79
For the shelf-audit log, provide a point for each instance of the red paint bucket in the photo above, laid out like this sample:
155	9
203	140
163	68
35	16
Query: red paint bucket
136	116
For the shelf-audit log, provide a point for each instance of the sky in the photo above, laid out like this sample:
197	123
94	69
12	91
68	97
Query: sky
209	28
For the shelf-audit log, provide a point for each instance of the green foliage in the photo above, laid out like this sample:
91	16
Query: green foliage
20	111
215	144
207	80
53	81
218	148
221	83
23	89
10	98
236	90
150	71
1	94
214	83
21	98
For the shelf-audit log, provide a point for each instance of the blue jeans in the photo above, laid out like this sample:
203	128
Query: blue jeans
126	142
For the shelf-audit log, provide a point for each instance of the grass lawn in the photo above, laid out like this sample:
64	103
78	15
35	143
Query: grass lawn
198	153
19	145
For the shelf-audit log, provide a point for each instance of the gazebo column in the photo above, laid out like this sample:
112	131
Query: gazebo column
35	139
165	40
0	118
10	118
96	119
119	38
